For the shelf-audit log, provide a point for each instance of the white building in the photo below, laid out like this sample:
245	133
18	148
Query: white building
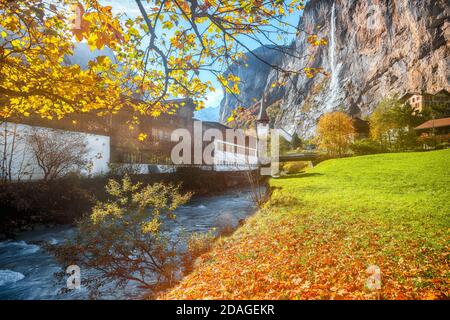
19	163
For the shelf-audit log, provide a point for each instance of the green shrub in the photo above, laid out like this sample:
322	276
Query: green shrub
294	167
197	244
437	142
442	146
366	146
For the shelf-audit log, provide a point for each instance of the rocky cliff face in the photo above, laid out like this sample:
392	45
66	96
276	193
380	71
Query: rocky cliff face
254	78
376	49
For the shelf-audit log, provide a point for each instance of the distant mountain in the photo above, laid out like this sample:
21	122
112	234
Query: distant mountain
208	114
255	79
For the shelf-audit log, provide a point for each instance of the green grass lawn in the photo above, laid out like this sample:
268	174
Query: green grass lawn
322	229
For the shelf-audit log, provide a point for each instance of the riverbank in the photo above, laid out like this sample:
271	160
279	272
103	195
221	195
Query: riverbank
325	232
27	269
27	205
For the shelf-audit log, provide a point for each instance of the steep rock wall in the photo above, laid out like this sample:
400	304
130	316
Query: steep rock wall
375	49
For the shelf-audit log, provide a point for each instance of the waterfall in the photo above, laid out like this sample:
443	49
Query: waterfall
334	93
332	46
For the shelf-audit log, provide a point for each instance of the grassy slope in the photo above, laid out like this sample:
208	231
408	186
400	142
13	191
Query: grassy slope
322	229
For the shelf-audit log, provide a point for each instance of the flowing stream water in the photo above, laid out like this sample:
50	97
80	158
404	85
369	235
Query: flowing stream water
27	270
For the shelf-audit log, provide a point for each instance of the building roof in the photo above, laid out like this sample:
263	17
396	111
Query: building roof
443	91
436	123
408	95
214	124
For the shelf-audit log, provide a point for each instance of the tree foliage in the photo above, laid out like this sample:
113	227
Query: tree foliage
159	54
35	41
434	111
335	133
392	123
122	240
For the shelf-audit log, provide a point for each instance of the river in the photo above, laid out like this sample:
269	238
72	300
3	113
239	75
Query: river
27	270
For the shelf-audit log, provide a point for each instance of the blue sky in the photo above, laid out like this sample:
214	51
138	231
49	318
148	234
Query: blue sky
130	8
